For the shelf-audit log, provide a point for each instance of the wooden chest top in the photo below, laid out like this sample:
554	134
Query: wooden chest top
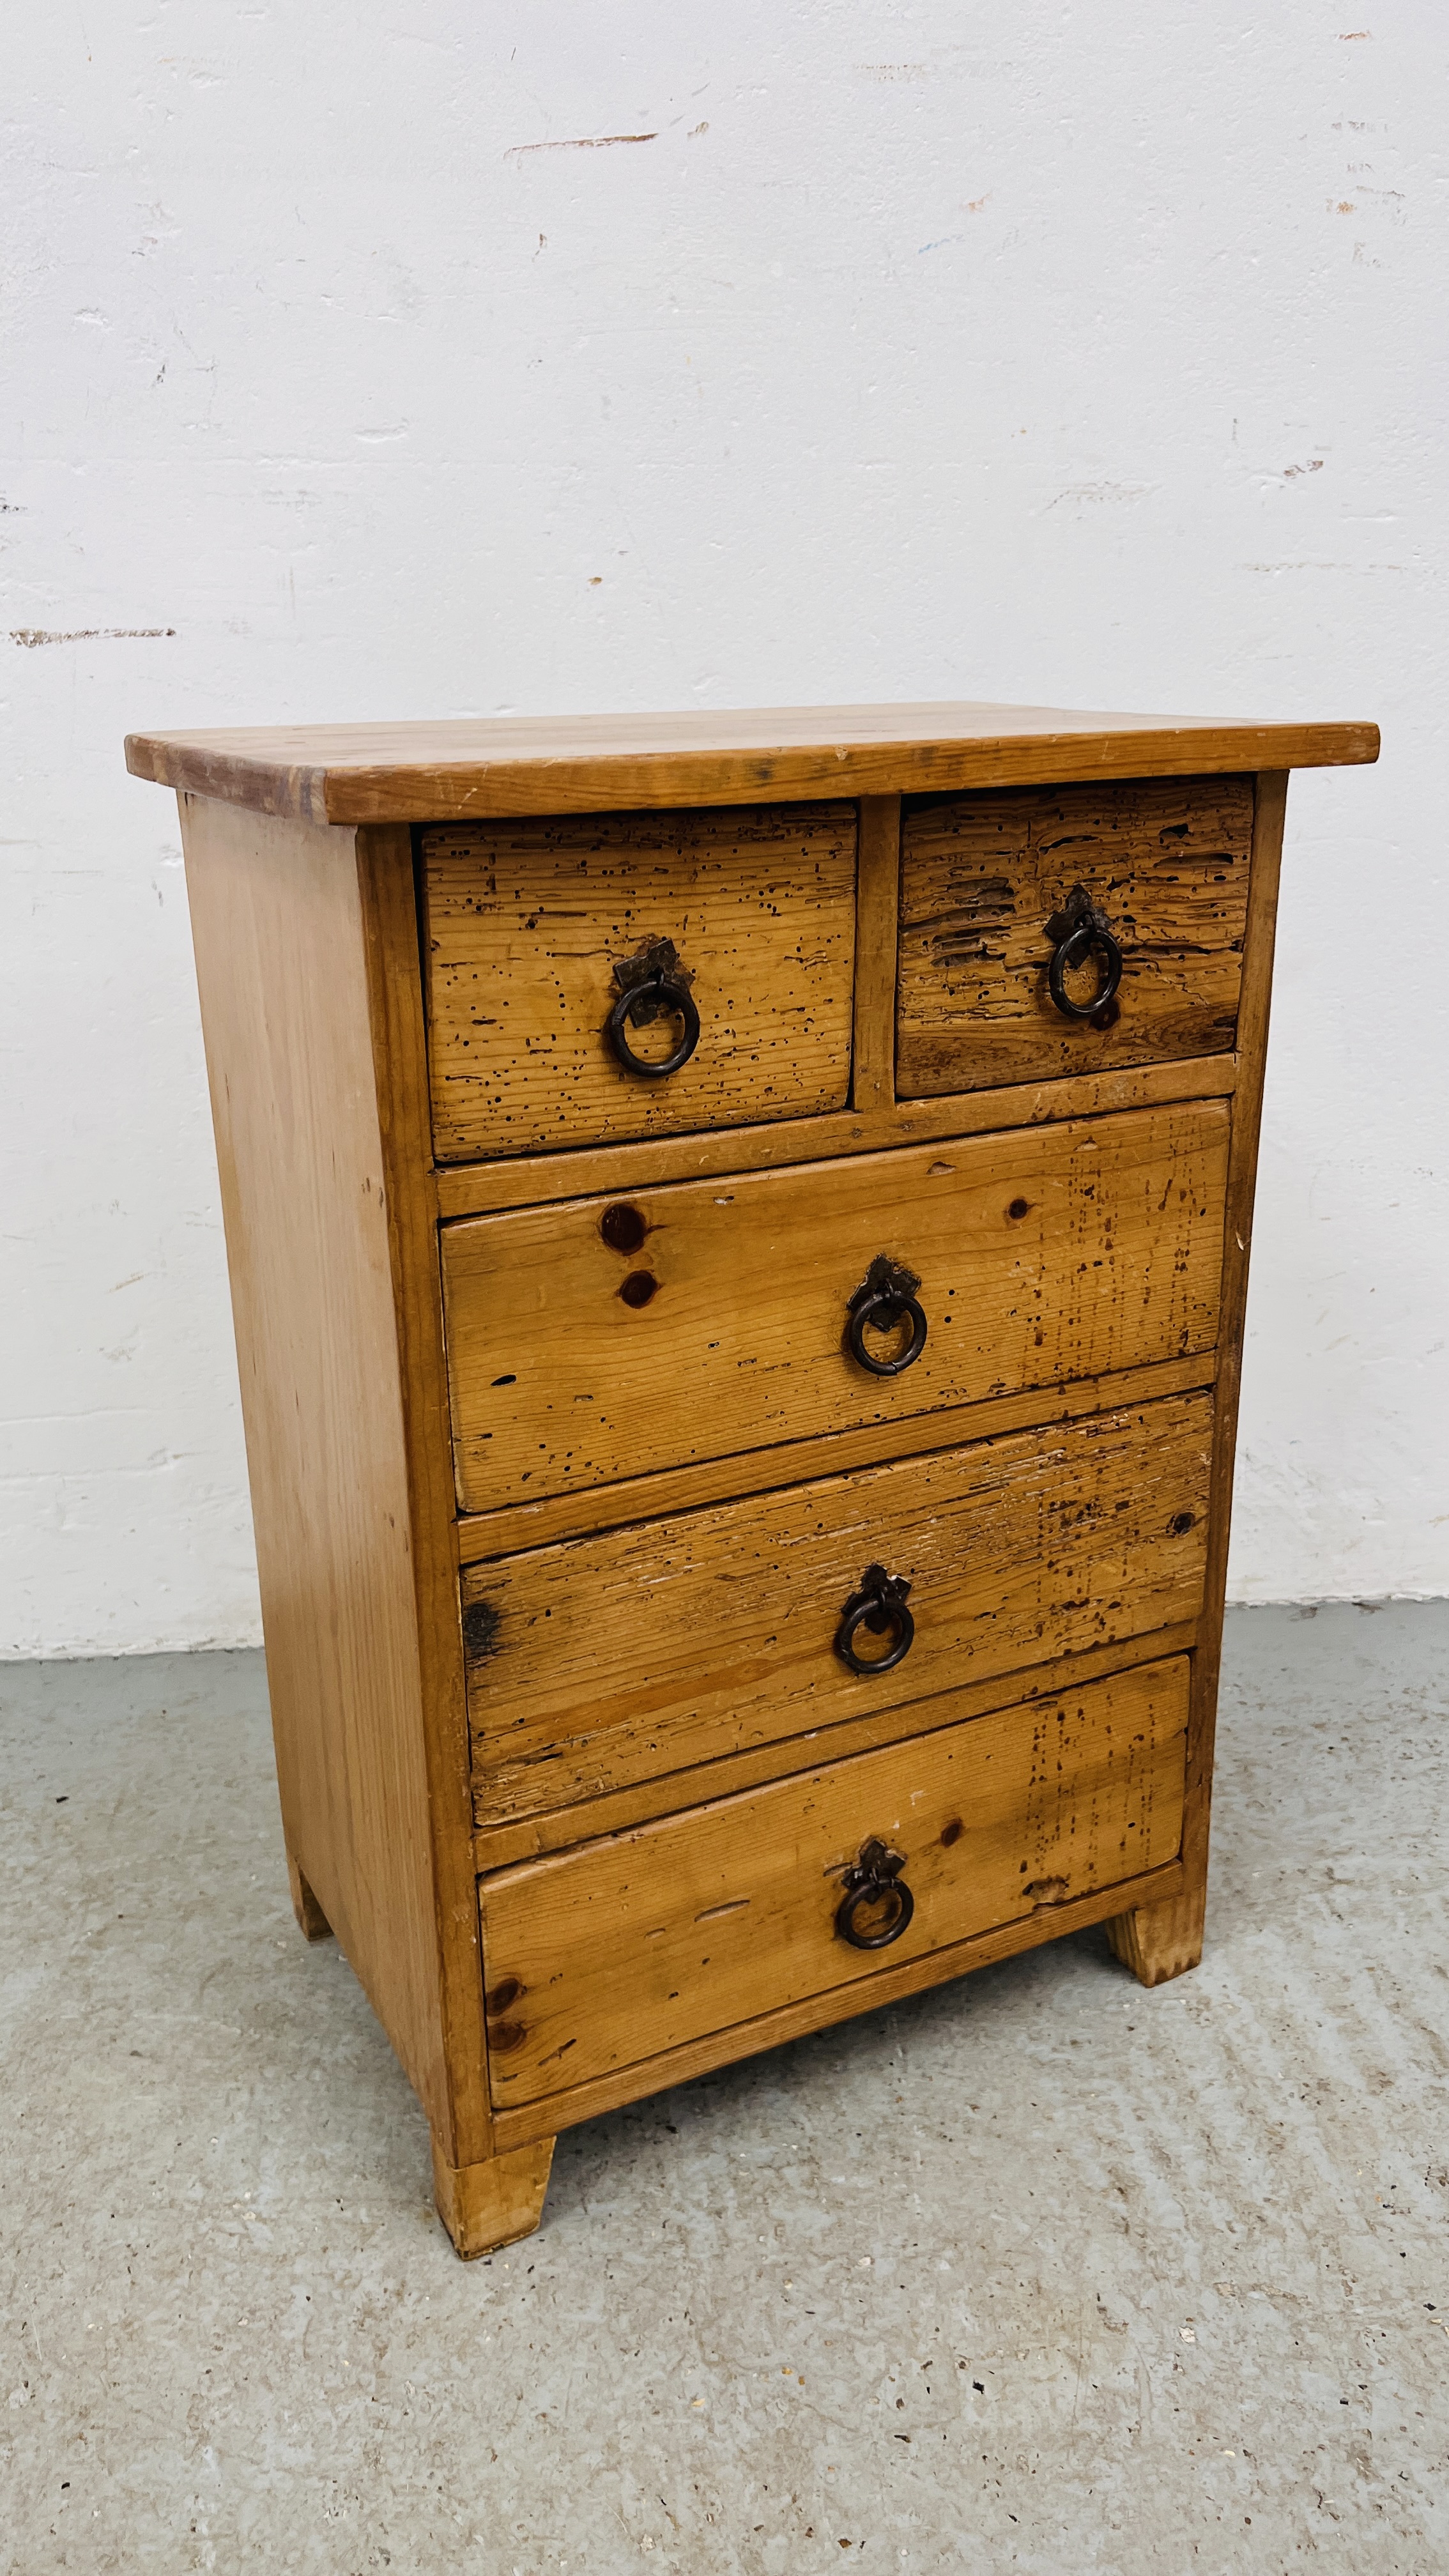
471	768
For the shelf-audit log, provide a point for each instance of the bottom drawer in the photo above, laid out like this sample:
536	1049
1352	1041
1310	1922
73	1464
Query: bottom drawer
619	1950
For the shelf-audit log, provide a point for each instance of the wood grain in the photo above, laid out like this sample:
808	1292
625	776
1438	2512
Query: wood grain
1165	860
534	1180
838	2003
312	1923
1043	1256
526	921
486	2206
611	1660
472	768
282	965
625	1949
873	1083
484	1535
1163	1942
498	1846
389	911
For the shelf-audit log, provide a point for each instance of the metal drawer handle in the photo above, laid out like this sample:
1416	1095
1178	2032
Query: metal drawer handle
885	1297
650	983
877	1904
880	1606
1077	929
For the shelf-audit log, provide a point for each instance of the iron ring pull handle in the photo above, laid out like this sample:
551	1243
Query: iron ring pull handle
875	1881
883	1310
657	992
880	1606
885	1297
1078	929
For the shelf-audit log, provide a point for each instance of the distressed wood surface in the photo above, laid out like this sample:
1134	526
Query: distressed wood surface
1160	1942
498	1846
399	1048
1043	1256
604	1661
879	883
1166	861
535	1180
887	1985
525	923
484	1535
640	1944
472	767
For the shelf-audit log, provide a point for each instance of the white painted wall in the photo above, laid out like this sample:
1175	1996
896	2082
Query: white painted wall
1092	356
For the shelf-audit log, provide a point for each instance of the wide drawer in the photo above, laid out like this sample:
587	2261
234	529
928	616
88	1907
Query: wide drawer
626	1948
1164	861
535	929
600	1339
601	1662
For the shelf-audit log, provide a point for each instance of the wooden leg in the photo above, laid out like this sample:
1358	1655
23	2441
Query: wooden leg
485	2206
309	1913
1161	1941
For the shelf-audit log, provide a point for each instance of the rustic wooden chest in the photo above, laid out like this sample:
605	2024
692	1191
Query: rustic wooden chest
738	1233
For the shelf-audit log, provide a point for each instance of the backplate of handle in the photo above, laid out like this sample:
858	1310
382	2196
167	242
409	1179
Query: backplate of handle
651	984
877	1904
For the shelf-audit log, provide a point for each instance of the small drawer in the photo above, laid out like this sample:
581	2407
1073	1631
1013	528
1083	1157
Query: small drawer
1162	863
608	1338
618	1951
601	1662
571	960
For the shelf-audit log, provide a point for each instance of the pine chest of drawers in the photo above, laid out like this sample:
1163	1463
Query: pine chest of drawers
738	1232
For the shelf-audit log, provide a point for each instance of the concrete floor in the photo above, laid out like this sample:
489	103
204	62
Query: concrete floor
1035	2272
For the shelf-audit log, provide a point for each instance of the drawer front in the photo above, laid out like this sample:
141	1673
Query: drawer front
534	928
601	1662
613	1953
1166	864
602	1339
